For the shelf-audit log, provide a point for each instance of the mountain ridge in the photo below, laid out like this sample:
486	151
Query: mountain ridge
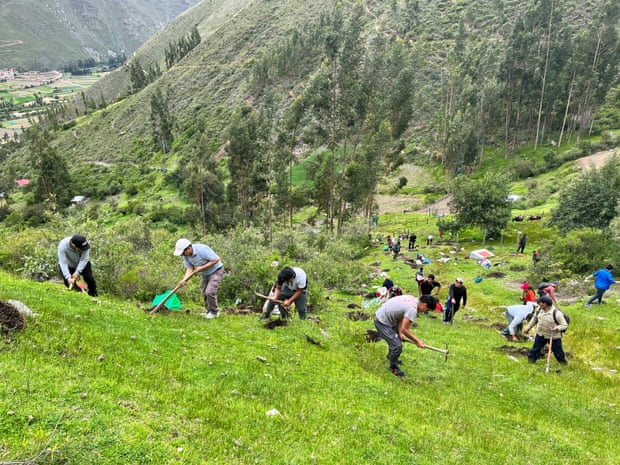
54	34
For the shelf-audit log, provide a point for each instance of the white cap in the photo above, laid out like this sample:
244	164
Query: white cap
180	246
459	280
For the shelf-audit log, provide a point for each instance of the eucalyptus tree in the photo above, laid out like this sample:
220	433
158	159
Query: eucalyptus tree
52	182
335	99
204	182
162	121
247	188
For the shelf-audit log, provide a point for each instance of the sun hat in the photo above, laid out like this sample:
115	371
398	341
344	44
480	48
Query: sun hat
525	285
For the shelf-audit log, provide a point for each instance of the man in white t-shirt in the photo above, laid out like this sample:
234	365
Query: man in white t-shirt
291	287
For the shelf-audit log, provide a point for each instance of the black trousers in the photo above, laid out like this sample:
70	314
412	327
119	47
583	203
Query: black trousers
87	274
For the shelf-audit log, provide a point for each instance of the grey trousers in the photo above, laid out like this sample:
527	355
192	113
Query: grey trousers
395	345
301	304
209	285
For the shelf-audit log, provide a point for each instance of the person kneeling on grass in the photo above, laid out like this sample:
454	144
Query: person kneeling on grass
393	322
547	330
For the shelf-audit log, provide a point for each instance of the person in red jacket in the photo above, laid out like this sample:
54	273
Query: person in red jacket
528	294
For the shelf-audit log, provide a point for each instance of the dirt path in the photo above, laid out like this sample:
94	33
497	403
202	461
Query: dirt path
596	160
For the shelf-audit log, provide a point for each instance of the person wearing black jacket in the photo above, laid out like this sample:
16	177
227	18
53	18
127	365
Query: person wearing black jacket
456	296
427	286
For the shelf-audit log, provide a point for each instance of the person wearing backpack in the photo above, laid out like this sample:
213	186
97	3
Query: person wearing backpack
603	282
548	289
550	326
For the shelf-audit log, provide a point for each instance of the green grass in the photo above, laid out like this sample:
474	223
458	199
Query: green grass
104	382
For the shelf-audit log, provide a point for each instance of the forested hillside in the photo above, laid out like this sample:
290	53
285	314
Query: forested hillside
37	35
255	109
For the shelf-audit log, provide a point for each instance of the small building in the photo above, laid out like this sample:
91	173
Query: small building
80	200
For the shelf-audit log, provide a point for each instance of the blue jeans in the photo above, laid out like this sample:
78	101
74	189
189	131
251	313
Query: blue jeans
597	295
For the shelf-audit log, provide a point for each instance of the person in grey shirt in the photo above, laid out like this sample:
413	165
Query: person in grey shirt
200	258
74	260
393	322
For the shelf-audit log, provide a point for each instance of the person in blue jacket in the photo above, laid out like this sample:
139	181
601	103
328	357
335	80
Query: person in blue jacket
603	281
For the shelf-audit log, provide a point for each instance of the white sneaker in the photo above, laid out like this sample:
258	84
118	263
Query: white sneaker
276	310
209	315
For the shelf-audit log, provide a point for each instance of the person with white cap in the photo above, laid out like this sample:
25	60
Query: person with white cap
456	295
200	258
74	260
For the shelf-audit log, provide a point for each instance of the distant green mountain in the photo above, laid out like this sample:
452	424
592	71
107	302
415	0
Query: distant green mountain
47	35
340	93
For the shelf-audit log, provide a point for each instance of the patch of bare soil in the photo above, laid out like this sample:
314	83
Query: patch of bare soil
10	318
596	160
358	316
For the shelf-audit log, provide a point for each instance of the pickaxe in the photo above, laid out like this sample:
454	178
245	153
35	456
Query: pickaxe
442	351
283	308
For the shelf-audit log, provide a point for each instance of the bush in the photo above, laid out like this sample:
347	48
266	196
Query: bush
41	263
580	252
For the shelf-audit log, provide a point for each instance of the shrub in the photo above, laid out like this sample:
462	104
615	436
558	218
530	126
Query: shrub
581	251
40	263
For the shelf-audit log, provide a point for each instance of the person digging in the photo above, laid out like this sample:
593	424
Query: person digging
291	287
74	261
393	322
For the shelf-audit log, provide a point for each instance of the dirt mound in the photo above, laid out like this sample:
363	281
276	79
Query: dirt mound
10	317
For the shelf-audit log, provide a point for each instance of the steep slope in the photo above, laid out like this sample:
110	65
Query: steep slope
212	77
36	34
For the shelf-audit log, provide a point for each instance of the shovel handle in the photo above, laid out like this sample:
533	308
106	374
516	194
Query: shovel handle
263	296
157	307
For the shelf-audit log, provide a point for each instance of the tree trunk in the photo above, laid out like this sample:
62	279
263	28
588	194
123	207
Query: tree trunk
544	80
570	94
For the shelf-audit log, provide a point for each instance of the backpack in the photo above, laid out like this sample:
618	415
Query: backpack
566	317
542	287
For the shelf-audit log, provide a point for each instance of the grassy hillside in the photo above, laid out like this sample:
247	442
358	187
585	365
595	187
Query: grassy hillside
102	382
47	36
215	78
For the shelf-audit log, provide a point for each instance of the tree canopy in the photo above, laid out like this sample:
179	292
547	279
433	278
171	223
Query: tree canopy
481	202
